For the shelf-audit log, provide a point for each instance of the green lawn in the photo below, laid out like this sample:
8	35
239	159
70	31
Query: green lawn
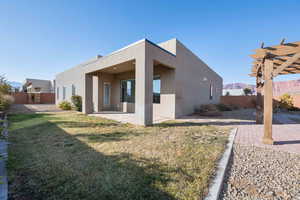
72	156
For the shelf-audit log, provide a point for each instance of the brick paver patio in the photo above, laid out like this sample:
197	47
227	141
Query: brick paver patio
286	137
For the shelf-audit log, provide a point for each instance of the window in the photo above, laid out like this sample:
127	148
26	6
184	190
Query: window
211	91
37	89
64	93
73	90
57	93
128	90
156	89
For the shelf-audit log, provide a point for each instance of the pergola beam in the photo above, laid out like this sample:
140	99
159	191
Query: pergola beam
286	64
279	50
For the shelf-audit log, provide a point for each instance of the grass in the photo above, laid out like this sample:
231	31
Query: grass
72	156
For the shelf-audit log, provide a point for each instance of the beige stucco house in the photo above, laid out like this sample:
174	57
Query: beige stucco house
142	83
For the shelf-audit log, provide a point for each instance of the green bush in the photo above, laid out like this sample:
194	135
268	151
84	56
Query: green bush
65	105
286	102
5	88
223	107
77	102
207	108
5	101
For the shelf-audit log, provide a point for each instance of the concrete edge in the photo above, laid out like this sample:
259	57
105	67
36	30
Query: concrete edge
217	183
4	155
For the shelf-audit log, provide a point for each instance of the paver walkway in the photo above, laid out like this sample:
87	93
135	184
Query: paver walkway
3	177
285	135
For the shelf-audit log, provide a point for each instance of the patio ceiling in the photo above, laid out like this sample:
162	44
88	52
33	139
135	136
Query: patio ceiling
120	68
126	67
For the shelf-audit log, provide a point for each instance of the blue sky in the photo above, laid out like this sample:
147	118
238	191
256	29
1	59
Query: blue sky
39	39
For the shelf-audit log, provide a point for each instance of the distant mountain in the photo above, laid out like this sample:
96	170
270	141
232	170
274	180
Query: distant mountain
290	87
15	84
279	88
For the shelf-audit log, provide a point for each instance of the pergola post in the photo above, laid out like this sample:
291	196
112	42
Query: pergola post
268	101
259	99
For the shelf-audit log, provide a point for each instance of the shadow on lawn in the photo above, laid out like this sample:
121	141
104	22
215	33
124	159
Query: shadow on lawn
206	123
107	137
53	164
23	117
72	124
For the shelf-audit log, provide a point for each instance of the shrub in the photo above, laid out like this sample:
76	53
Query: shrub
5	101
223	107
5	88
77	102
65	105
286	102
208	110
247	91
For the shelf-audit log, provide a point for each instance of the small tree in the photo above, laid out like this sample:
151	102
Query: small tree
247	91
286	102
5	88
227	93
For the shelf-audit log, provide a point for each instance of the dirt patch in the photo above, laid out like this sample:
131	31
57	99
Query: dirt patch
32	108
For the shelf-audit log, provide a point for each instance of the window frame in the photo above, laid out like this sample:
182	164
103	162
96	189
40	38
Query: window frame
132	99
73	88
123	98
64	93
57	93
157	77
211	91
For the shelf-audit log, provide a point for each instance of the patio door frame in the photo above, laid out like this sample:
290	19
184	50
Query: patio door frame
105	84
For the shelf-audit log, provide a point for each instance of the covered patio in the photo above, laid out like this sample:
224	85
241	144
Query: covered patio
132	85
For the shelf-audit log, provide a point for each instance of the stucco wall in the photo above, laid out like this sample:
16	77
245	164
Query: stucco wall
192	79
73	76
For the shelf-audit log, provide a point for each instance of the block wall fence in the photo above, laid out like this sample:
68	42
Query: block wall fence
250	101
33	98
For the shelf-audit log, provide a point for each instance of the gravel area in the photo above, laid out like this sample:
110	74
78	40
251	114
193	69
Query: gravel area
260	173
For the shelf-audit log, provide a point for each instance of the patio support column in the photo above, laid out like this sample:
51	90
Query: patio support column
268	101
87	100
144	90
259	99
96	93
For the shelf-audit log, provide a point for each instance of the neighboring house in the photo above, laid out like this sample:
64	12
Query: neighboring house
152	81
37	86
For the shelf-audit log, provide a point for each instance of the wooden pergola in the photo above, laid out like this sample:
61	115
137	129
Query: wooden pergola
268	63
